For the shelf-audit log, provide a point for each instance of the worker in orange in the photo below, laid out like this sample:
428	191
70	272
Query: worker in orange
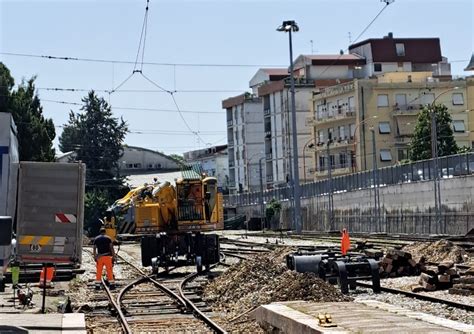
345	242
104	255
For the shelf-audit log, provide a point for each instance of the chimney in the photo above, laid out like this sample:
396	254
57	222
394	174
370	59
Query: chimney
389	36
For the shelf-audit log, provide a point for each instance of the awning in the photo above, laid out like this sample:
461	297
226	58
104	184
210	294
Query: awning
406	126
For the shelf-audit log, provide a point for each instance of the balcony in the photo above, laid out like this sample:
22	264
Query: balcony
339	114
407	109
230	123
269	178
231	163
267	112
230	143
321	173
335	143
268	156
402	140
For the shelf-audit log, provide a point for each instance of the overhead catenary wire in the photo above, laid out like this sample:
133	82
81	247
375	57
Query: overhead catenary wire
138	109
387	3
129	62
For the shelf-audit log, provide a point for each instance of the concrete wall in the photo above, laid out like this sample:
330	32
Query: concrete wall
406	208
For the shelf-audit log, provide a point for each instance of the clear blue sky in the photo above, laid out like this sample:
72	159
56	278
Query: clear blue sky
194	31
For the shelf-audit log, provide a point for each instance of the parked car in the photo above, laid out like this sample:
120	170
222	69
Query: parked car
464	168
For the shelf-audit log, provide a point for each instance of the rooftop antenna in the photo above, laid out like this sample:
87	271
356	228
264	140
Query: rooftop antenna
312	51
350	37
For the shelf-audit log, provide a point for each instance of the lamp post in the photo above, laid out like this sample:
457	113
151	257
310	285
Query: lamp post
304	156
434	155
330	195
376	181
289	27
262	207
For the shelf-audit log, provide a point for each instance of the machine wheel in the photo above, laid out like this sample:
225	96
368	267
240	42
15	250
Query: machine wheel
199	264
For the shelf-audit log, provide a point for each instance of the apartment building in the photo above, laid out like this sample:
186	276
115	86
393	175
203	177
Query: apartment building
245	141
344	116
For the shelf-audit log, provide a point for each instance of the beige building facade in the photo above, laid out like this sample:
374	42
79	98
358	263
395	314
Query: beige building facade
345	118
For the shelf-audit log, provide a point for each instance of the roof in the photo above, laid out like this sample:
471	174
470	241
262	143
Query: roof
417	50
331	59
275	71
470	66
239	99
138	180
152	151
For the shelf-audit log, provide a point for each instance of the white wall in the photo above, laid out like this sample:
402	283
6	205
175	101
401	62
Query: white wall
133	156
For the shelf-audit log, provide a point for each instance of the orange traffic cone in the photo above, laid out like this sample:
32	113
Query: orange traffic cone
49	272
345	242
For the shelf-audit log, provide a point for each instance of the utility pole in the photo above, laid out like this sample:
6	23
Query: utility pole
434	150
378	225
262	208
330	195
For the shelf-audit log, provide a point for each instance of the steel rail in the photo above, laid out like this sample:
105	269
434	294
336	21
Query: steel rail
181	298
197	312
421	297
121	316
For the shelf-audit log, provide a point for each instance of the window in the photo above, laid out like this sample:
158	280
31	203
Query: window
385	155
384	127
137	165
382	100
458	99
342	132
400	47
377	67
351	103
427	98
342	160
333	160
352	130
458	126
401	99
129	165
322	163
339	107
402	154
321	136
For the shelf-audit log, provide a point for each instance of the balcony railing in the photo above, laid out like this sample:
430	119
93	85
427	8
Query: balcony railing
268	156
407	109
230	123
267	112
269	178
342	113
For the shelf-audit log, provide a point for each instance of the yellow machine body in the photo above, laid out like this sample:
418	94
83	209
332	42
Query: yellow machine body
193	205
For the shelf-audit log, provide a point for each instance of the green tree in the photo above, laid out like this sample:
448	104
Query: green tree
420	146
96	138
35	132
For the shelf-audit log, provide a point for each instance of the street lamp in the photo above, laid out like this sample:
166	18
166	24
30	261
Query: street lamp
289	27
434	154
304	156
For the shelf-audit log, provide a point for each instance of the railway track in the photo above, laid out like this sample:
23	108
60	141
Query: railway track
167	302
409	294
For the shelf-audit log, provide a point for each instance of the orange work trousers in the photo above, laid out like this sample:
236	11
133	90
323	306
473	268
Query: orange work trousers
105	260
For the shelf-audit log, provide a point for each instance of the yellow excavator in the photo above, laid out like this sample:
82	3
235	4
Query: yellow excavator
170	220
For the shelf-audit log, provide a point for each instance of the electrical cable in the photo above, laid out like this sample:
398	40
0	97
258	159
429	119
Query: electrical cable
387	3
128	62
139	109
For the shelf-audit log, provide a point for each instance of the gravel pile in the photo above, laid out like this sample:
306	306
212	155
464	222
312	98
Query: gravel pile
264	279
438	251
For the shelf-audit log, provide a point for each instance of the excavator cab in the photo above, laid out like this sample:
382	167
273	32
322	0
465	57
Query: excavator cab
110	225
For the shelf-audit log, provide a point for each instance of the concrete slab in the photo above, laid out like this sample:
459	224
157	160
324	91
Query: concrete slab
70	323
369	317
